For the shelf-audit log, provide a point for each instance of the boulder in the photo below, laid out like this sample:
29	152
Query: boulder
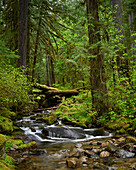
56	131
6	125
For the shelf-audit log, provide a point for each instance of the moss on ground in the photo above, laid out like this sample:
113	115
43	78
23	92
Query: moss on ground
7	113
6	125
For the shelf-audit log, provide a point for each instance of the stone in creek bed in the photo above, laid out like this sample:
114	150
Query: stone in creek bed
73	162
125	154
104	154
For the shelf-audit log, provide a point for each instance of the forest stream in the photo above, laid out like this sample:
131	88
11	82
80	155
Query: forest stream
63	147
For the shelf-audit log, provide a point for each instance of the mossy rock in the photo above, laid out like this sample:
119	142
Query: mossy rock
2	146
49	120
2	140
30	145
4	166
7	113
10	142
6	125
9	160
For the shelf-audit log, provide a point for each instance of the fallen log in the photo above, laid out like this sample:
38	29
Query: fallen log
66	93
51	91
44	87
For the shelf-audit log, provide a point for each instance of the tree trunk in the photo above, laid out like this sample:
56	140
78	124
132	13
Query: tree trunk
36	46
97	72
22	47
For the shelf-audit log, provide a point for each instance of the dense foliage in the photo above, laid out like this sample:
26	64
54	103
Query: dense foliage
14	86
71	44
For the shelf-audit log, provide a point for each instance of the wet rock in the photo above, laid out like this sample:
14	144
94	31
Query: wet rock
40	151
112	148
78	145
83	159
90	154
104	154
125	154
96	132
104	144
63	132
77	152
96	150
73	162
14	147
100	166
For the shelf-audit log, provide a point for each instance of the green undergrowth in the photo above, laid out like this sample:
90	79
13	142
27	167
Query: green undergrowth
78	110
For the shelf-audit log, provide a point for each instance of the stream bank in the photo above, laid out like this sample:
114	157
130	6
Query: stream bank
46	146
65	147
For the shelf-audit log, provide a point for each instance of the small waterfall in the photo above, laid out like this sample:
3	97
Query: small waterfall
42	132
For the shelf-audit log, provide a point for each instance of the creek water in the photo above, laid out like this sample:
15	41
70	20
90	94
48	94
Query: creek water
53	141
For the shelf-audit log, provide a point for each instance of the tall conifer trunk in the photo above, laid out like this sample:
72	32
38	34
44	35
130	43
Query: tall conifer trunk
22	46
97	72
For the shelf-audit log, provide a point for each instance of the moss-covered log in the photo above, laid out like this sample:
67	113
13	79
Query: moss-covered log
66	93
44	87
51	91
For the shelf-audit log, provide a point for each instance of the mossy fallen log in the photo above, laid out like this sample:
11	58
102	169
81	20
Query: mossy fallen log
66	93
44	87
51	91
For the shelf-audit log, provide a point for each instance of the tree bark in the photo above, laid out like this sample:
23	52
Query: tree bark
36	47
97	72
22	46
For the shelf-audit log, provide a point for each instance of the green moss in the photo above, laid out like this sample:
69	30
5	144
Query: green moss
2	140
6	113
117	124
11	142
4	166
28	145
6	125
8	159
50	119
121	131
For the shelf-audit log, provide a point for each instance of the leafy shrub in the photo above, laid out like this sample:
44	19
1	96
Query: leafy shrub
14	86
